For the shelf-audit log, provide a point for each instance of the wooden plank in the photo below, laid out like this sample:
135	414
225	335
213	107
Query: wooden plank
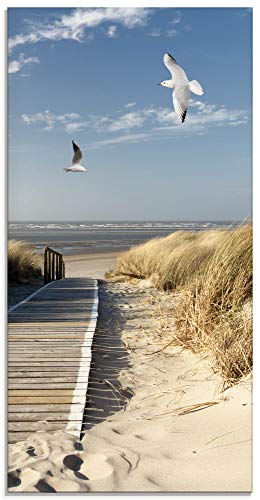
72	363
45	408
18	400
33	371
50	338
48	385
50	358
79	347
39	392
54	353
38	378
48	416
32	342
20	337
53	324
43	349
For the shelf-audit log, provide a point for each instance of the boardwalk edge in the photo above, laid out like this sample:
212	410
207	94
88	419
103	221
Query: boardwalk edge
28	298
71	428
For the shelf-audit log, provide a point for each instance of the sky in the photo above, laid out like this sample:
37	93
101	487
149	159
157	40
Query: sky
90	74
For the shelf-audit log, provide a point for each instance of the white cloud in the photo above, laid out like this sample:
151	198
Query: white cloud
127	138
49	120
75	127
112	31
17	64
155	122
76	24
130	104
206	116
127	121
156	32
159	122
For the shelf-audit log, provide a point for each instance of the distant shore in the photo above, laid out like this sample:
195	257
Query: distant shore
74	238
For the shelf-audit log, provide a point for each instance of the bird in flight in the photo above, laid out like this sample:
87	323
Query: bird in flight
181	86
76	167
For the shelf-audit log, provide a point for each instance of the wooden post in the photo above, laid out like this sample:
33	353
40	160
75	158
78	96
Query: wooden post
53	267
56	266
49	265
45	266
60	267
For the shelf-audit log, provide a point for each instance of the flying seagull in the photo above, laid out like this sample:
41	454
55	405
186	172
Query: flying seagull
181	86
76	167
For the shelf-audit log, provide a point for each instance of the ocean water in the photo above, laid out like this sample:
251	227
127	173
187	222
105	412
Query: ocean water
100	236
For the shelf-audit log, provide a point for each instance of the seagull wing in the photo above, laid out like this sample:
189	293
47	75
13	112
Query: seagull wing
177	72
77	153
181	96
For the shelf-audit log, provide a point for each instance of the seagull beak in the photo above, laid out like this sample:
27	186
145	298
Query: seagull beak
158	84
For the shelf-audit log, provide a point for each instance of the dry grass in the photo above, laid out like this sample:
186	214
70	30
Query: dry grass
211	272
169	261
23	263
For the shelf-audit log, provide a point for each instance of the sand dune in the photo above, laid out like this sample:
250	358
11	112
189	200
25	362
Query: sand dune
178	432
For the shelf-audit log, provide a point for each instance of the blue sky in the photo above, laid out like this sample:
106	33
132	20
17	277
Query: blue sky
89	75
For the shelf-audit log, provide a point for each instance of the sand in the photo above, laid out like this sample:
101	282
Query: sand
92	265
177	431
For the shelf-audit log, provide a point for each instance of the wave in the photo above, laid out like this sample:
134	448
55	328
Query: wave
66	226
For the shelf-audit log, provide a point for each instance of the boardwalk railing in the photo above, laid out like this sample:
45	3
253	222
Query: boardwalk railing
54	266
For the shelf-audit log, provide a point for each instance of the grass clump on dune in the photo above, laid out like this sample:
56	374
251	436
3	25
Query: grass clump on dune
211	273
23	263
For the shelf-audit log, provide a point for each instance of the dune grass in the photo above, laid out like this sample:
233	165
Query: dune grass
211	275
23	263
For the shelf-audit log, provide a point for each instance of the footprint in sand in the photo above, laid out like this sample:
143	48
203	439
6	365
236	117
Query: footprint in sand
88	466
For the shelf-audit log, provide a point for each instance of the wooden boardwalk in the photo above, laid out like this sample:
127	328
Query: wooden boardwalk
49	354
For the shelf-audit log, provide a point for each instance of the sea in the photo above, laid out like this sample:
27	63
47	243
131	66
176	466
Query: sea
92	237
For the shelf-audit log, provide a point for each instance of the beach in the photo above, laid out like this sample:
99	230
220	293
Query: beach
130	288
92	265
177	431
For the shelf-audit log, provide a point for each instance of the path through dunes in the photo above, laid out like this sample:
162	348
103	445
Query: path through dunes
49	356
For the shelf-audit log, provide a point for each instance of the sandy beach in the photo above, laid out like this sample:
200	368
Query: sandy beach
177	431
92	265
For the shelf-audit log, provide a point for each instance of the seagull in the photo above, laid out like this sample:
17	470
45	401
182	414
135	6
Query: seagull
76	167
181	86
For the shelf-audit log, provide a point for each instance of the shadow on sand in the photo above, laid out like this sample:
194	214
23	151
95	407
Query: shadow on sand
105	395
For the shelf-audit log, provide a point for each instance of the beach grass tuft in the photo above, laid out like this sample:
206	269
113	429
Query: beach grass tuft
23	263
210	273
